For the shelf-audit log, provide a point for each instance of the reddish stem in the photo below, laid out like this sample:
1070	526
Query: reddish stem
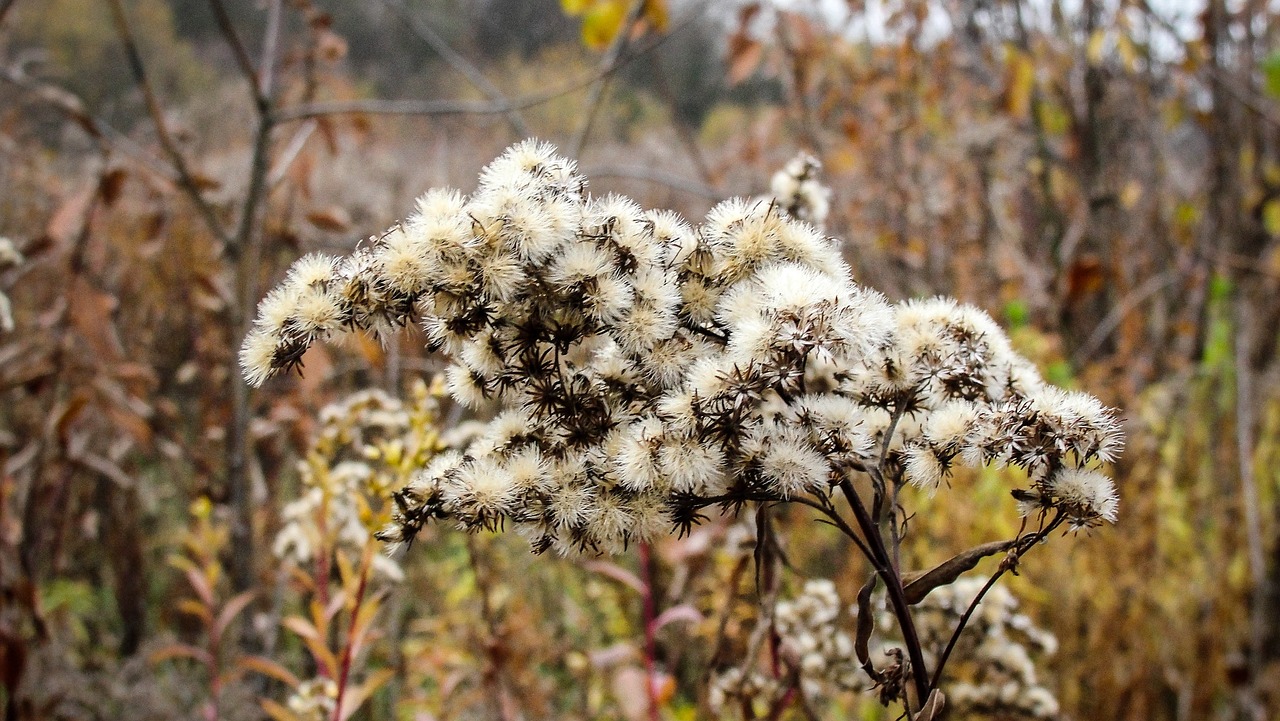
650	633
344	669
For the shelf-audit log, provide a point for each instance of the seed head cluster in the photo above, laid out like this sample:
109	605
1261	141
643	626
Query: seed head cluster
997	676
637	369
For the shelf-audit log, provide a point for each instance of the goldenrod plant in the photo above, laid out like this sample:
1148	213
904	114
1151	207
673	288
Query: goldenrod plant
637	371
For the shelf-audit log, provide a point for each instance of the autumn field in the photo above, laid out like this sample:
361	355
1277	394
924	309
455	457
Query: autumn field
284	435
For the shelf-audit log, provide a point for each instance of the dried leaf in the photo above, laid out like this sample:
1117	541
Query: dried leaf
201	585
865	625
179	650
67	220
267	667
231	610
91	312
192	607
918	585
324	658
683	612
333	219
110	186
745	55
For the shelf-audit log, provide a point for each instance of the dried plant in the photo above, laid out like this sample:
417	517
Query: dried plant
367	444
642	371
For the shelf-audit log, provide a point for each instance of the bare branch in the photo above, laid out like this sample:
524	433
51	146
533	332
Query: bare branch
186	180
305	111
456	61
99	130
660	177
608	65
237	47
270	45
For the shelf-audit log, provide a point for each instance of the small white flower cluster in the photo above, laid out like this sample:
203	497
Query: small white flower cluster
9	258
642	369
809	627
339	488
995	653
313	699
800	191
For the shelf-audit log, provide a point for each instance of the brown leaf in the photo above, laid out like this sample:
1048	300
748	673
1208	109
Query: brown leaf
333	219
65	223
1084	277
866	624
91	314
205	182
68	415
745	54
110	186
918	585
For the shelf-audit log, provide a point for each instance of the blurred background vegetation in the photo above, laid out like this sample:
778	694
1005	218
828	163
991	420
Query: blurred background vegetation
1104	177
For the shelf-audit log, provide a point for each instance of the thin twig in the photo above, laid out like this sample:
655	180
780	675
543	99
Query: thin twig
837	521
608	64
290	153
270	48
689	142
466	107
659	177
1009	563
98	130
458	62
237	47
186	180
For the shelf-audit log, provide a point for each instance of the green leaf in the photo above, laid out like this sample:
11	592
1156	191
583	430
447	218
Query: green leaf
1016	313
1270	67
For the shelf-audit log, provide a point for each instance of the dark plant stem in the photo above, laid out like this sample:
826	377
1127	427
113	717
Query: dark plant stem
1008	564
883	565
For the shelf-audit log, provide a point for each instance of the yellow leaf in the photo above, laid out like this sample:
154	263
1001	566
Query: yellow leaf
1021	80
602	22
575	7
655	12
1128	52
1097	44
1271	217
